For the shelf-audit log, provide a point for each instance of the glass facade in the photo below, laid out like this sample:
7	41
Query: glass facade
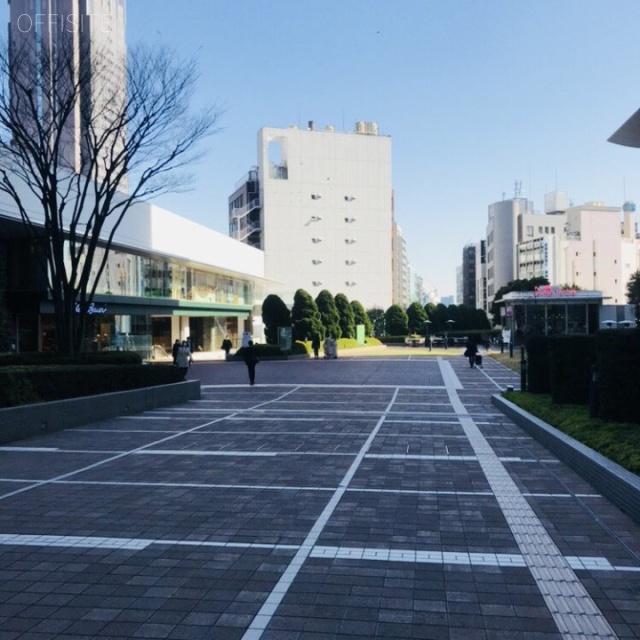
152	301
127	274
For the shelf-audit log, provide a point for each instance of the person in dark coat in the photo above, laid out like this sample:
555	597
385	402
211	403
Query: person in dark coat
183	359
315	345
470	352
174	352
251	360
226	347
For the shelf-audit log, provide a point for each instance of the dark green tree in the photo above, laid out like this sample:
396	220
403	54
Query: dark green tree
377	319
305	316
466	317
329	315
347	319
416	316
514	285
453	313
633	292
396	321
274	314
480	320
439	316
360	316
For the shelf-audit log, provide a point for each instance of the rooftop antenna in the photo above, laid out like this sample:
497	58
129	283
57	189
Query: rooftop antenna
517	189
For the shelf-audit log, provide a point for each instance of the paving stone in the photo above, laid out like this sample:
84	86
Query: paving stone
398	502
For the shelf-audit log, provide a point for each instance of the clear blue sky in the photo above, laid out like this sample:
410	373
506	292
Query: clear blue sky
476	94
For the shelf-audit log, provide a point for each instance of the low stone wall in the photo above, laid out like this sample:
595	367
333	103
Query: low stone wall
617	484
18	423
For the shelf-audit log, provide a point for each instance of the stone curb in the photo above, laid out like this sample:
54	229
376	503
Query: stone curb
26	421
614	482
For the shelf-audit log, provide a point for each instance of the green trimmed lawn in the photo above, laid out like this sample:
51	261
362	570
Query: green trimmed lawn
618	441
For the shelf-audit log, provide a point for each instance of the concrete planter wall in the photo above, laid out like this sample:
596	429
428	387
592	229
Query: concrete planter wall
18	423
617	484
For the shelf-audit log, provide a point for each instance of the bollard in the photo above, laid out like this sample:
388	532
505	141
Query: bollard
593	392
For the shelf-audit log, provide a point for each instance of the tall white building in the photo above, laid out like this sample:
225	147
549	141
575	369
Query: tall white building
600	251
502	240
322	211
57	44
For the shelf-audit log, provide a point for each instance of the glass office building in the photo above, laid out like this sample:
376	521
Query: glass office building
166	278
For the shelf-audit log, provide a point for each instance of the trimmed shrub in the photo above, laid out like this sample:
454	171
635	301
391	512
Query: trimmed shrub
392	339
51	358
538	365
570	362
273	351
26	385
619	374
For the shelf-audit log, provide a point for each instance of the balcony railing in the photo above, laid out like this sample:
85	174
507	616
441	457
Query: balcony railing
244	231
240	212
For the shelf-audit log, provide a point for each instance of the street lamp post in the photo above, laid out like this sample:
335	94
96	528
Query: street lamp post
427	334
449	323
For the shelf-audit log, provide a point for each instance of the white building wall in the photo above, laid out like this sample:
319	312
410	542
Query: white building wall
595	255
596	250
329	224
502	238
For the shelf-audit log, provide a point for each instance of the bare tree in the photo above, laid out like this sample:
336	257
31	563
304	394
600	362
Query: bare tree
84	137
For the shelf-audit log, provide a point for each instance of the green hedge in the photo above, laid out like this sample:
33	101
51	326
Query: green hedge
30	384
273	350
50	358
570	362
538	365
619	374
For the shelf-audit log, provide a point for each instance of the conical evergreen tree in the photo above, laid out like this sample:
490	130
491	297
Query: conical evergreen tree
329	315
360	316
305	316
345	312
274	314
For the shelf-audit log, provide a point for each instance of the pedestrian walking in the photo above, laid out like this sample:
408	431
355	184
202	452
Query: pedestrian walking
470	352
174	352
226	346
184	359
315	345
251	360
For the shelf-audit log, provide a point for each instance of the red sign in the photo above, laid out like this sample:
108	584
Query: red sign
548	290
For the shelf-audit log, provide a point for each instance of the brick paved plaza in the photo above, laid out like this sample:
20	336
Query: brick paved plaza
356	498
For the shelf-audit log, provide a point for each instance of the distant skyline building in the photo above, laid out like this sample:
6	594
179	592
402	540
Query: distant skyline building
591	246
481	275
401	269
468	297
54	43
320	205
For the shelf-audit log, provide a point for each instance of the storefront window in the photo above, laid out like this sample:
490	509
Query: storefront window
127	274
